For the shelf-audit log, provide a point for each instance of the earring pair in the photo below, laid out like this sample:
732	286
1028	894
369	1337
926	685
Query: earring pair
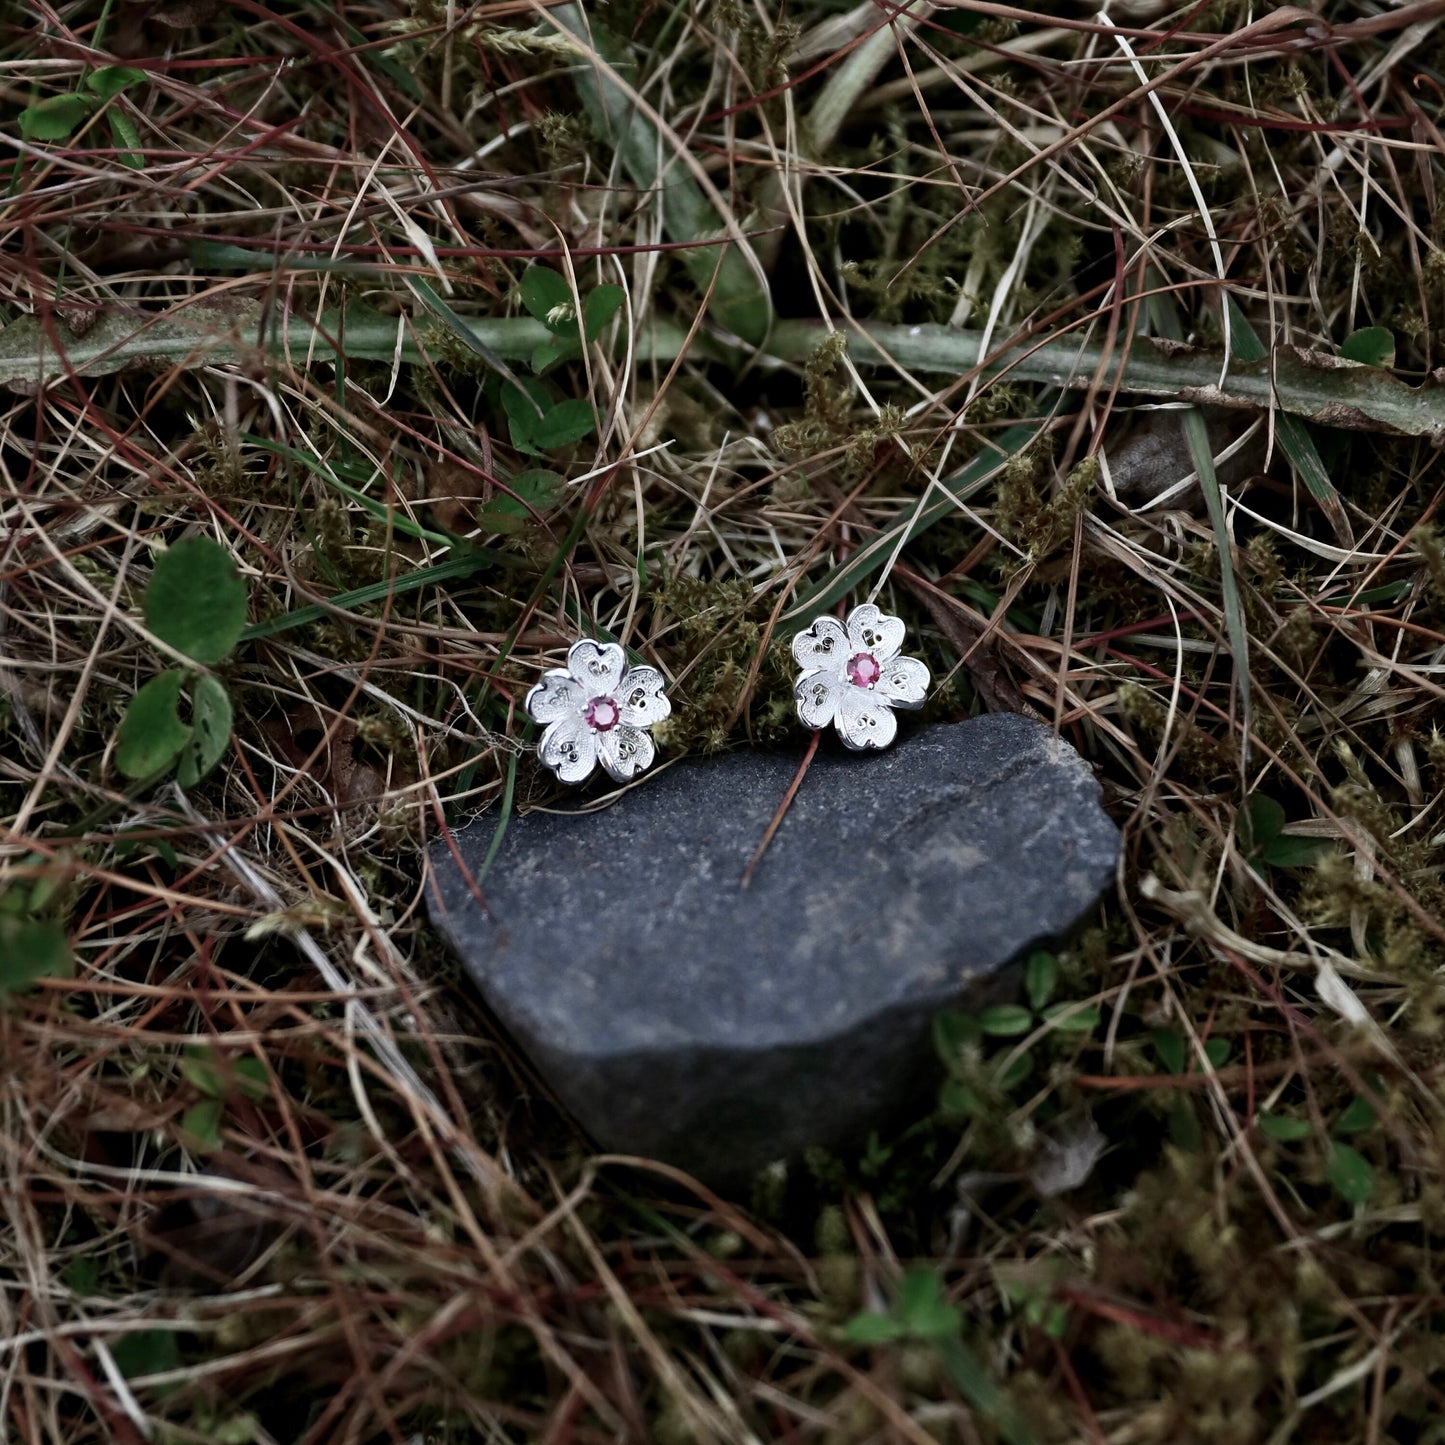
597	710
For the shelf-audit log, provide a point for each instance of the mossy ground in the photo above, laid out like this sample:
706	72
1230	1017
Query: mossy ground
270	1173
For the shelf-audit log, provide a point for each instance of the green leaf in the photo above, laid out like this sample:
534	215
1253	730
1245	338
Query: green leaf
538	424
32	949
1073	1018
252	1079
1370	346
957	1101
543	290
922	1308
525	404
961	22
1216	1051
126	847
1294	852
216	1075
211	735
202	1071
1041	976
55	118
196	603
108	81
553	350
535	491
601	305
82	1275
1282	1128
1171	1048
565	423
872	1329
1184	1127
1258	822
202	1122
127	140
145	1352
1016	1071
1006	1020
151	733
1350	1173
1358	1116
952	1033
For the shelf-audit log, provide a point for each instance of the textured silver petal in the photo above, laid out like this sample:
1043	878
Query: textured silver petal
641	697
874	631
569	748
817	693
823	643
904	682
558	694
625	751
597	666
865	720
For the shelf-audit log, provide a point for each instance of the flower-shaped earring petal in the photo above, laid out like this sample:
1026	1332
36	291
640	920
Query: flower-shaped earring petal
598	710
853	676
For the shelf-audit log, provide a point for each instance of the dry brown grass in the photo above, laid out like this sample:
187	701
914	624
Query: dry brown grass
270	1174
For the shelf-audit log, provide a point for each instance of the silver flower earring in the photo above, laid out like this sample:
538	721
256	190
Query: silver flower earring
598	710
853	676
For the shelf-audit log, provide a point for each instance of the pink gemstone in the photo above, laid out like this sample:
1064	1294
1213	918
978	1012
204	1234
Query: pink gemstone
602	714
863	669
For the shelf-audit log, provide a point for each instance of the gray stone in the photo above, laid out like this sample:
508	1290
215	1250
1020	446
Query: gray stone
682	1018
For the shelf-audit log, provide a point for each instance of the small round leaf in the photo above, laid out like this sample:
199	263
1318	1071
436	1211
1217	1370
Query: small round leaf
211	735
151	732
1371	345
195	602
55	118
1349	1171
543	292
110	80
1005	1020
31	949
1282	1127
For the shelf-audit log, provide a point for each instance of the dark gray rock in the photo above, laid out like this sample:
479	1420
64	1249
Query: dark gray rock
681	1018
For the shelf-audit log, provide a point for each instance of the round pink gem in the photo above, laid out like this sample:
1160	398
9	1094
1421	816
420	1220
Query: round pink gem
602	714
863	669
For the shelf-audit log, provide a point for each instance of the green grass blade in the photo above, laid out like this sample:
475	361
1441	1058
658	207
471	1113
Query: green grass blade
1199	449
1297	443
392	517
460	326
1165	317
504	816
475	560
604	80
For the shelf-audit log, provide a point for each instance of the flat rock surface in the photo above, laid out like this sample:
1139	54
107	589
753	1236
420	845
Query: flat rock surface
682	1018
